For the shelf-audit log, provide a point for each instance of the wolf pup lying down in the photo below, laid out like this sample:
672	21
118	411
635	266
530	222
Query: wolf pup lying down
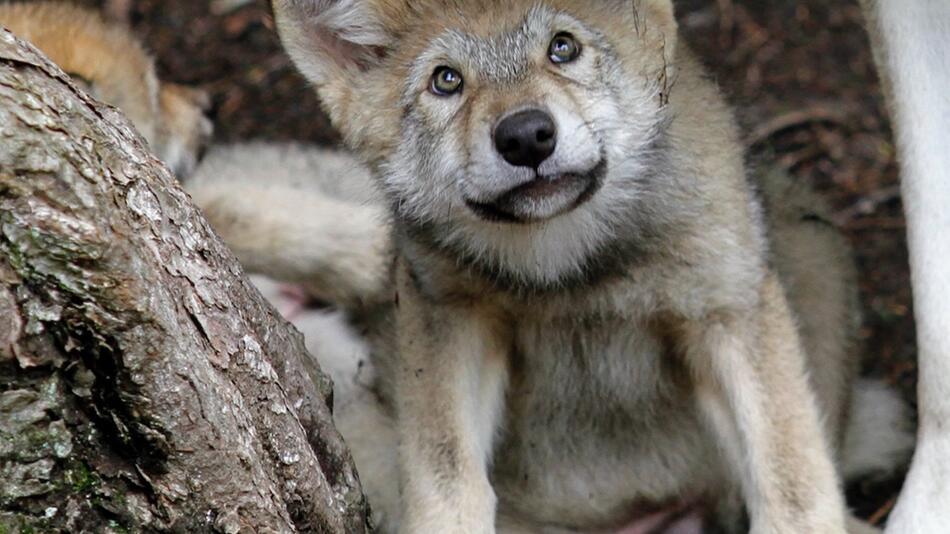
113	66
596	316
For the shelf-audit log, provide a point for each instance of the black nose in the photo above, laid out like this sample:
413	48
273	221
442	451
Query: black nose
526	138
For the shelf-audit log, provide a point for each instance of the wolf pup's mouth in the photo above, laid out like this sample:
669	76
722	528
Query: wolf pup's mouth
543	198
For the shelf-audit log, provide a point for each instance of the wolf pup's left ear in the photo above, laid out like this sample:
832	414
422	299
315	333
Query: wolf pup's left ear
658	19
330	40
663	14
661	10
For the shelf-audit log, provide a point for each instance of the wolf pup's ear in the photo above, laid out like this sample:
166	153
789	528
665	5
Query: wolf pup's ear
330	40
660	10
658	17
662	14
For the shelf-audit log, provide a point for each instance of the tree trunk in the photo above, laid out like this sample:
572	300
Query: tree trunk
145	385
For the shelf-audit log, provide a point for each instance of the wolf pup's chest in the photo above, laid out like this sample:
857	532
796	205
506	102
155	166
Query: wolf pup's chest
570	369
612	398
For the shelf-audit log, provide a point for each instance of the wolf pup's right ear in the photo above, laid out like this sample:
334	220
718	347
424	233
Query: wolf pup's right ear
331	40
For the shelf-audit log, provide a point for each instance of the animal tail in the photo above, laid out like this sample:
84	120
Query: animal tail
299	214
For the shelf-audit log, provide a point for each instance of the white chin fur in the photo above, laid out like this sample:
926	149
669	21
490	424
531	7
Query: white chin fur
551	251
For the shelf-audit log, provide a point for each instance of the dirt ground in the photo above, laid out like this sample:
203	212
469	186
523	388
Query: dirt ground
799	72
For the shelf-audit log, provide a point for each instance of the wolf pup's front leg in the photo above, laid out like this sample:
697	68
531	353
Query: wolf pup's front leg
753	390
451	373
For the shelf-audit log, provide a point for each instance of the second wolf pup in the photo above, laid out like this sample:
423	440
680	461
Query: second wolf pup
115	68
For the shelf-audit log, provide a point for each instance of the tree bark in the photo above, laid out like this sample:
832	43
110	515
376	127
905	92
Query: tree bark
145	385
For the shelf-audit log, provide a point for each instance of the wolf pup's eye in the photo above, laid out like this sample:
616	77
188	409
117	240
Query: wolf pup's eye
446	81
564	48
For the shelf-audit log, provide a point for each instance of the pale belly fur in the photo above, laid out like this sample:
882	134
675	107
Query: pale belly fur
600	428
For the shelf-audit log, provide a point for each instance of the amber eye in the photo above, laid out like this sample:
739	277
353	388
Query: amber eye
445	81
564	48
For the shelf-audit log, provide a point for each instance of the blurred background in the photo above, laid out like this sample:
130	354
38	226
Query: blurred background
800	74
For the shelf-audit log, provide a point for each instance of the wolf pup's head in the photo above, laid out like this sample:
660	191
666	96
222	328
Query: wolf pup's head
517	135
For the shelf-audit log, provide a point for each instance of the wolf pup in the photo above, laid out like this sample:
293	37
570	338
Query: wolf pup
113	66
592	318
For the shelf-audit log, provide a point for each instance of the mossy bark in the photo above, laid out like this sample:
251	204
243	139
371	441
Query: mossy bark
145	385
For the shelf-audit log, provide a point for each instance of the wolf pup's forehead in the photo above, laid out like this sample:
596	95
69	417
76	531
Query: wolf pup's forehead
504	54
330	38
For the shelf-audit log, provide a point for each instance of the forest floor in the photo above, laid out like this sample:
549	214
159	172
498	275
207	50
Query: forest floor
800	74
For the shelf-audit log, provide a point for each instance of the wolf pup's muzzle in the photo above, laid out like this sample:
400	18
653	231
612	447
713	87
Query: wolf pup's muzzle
528	138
